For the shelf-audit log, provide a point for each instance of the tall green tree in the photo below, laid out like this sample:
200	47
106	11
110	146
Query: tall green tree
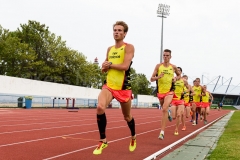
140	84
16	57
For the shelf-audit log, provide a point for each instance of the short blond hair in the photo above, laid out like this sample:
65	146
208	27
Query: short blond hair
122	23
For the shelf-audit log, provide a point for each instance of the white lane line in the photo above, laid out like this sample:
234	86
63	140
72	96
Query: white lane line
41	139
39	129
67	153
26	124
154	155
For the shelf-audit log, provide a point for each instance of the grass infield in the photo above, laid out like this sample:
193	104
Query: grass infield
228	145
224	107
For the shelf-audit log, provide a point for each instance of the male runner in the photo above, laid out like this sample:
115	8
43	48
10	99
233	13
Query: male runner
188	98
205	103
117	64
196	105
165	80
177	105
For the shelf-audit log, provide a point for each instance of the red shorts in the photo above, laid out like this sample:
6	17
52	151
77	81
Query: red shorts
120	95
177	102
163	95
205	104
187	104
198	104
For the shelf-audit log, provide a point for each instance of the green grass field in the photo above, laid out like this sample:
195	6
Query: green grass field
228	146
225	107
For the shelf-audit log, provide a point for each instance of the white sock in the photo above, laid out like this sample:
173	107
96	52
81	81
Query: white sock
162	132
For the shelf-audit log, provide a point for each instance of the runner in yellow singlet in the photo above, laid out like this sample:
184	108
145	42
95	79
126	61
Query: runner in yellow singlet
177	105
117	64
188	93
205	103
164	75
196	105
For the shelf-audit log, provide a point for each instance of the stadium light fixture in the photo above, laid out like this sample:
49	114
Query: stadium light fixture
163	12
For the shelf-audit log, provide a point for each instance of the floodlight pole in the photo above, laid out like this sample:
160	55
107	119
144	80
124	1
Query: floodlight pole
163	11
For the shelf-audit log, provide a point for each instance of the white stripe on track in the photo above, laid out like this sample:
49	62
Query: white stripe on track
39	129
41	139
67	153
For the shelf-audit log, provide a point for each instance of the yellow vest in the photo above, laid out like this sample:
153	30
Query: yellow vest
206	97
164	84
118	79
197	91
179	88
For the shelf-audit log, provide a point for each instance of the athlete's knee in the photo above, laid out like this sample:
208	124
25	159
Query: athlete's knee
178	115
164	109
100	109
127	118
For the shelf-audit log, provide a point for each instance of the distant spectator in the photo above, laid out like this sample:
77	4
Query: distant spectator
220	105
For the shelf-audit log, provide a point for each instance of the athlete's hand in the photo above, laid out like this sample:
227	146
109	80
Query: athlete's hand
174	80
161	75
105	65
104	70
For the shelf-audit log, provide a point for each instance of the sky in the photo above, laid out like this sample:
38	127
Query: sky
203	35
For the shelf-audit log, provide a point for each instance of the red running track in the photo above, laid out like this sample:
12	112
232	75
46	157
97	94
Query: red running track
27	134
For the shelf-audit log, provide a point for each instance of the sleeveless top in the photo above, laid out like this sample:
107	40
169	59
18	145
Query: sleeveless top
118	79
197	90
179	89
206	97
164	84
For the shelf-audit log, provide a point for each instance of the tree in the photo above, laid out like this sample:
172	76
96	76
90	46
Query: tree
15	56
32	51
140	84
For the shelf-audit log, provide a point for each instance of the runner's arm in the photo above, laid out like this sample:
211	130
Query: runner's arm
176	72
105	64
193	93
154	77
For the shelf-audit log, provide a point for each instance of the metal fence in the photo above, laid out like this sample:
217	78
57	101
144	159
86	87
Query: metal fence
8	100
18	101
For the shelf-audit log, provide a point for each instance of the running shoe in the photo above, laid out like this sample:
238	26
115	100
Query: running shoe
169	115
100	147
161	136
184	128
133	145
205	121
176	133
194	123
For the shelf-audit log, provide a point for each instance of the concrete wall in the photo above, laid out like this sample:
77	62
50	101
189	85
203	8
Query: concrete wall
13	85
27	87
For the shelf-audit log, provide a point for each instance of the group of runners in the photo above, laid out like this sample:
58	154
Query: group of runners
173	90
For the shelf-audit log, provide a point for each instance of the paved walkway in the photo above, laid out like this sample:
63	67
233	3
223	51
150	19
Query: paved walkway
237	107
202	145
